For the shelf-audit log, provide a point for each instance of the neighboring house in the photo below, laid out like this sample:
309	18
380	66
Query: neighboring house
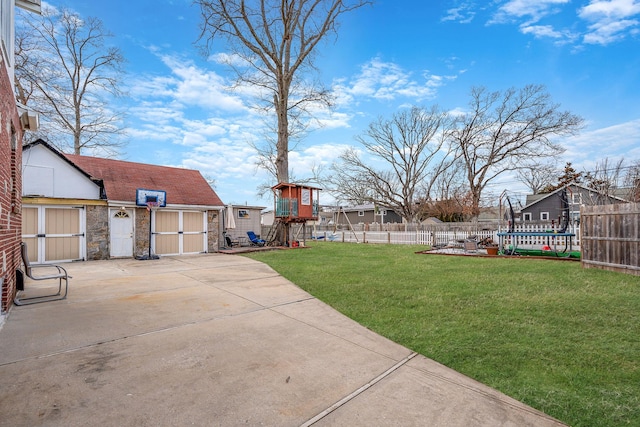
365	214
432	221
489	214
325	216
14	120
267	217
548	207
80	207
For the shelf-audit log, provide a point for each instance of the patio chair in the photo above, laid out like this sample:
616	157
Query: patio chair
255	240
60	275
229	243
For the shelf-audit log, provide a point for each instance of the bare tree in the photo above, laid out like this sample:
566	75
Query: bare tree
66	72
504	129
632	182
265	161
449	198
605	178
275	41
407	154
537	175
24	45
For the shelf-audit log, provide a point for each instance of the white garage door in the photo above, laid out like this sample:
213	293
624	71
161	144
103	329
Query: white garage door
53	234
179	232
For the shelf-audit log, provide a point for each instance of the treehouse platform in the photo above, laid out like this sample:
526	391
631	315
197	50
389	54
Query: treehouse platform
296	203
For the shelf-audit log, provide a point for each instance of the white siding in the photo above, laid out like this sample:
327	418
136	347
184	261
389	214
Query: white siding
45	174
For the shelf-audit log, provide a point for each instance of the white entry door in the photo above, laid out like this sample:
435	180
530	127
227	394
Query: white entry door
121	233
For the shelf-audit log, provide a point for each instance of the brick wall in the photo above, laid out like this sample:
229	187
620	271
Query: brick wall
10	189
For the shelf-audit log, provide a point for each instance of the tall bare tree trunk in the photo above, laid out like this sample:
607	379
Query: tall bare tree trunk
282	152
275	40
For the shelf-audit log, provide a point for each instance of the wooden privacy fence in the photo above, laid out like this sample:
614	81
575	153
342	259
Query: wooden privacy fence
611	237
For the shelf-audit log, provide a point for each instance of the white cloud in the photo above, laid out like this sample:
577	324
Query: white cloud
332	119
222	160
462	14
607	20
611	9
604	32
197	87
318	155
614	142
228	59
188	85
458	112
388	81
610	20
533	10
541	31
548	32
156	112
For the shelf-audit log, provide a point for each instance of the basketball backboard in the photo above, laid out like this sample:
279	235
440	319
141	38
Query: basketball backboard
144	196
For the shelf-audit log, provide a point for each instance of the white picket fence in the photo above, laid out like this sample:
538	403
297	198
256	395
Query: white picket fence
426	237
437	236
547	238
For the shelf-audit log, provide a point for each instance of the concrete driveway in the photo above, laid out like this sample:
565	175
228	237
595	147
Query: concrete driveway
220	340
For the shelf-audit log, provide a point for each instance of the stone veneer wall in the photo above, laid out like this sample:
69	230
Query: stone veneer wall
98	232
213	227
141	227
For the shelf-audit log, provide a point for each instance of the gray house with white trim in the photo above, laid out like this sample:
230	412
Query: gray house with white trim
548	207
365	214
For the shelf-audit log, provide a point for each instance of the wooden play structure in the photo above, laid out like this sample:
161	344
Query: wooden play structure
293	204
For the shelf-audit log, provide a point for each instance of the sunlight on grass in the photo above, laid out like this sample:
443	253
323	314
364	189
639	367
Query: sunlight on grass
560	338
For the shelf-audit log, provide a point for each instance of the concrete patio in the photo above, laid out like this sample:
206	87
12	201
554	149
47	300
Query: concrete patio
220	340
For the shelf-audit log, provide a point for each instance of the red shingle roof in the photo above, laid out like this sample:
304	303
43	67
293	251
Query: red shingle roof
121	179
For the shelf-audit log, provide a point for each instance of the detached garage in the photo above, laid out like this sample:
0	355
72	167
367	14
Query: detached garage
80	207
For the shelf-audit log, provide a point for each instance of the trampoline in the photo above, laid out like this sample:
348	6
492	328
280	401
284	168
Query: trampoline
552	239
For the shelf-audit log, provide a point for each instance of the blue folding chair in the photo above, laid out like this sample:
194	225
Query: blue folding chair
255	240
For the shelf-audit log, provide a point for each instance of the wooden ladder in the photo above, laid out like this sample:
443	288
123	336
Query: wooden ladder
273	231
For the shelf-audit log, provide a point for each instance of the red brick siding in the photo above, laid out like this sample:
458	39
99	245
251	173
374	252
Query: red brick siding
10	189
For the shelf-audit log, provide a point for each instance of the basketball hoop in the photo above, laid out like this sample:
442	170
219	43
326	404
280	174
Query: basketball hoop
152	206
152	200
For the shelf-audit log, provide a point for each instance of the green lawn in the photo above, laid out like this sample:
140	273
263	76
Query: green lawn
560	338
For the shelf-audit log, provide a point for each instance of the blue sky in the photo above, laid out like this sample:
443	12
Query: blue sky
386	57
